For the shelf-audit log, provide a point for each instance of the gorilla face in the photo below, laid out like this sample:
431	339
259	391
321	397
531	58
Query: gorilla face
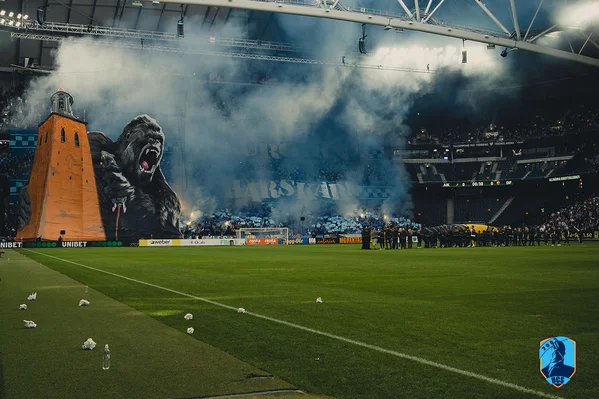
141	146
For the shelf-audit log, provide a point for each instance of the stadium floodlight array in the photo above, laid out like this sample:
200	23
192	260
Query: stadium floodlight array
266	232
10	18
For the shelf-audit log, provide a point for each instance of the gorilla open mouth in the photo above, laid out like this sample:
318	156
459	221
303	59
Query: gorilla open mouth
149	158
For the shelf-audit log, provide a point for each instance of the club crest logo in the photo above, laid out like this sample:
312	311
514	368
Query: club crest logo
557	360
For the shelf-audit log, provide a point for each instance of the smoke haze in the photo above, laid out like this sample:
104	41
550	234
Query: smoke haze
303	118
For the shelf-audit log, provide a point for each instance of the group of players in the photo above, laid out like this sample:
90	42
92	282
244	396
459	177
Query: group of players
501	237
392	237
397	237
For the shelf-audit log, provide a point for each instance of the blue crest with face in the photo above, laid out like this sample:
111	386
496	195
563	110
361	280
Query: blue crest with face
557	360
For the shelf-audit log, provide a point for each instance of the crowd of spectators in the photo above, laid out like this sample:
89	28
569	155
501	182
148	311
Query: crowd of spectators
10	220
15	111
581	118
16	166
225	222
582	216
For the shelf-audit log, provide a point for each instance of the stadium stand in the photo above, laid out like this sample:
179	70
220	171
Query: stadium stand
434	157
430	212
583	215
476	210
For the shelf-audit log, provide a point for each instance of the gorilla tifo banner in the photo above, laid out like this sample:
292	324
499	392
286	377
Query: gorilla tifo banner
259	191
87	187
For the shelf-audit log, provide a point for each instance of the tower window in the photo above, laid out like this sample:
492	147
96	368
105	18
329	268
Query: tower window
63	137
76	139
39	141
61	104
45	141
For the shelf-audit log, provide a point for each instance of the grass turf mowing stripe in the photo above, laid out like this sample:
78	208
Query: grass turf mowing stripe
150	359
325	334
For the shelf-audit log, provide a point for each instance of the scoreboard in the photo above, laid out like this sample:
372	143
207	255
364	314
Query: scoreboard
492	183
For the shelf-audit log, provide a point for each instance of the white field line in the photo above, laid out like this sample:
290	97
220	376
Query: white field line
326	334
250	394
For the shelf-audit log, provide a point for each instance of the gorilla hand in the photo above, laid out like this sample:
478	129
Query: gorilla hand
116	186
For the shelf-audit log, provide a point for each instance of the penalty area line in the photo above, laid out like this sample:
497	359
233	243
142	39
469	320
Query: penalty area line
323	333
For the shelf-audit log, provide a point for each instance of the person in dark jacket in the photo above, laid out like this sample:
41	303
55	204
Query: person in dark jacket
365	237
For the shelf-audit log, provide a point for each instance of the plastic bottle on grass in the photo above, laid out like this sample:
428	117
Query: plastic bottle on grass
106	361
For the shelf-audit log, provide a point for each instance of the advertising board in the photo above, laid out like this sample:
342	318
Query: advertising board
262	241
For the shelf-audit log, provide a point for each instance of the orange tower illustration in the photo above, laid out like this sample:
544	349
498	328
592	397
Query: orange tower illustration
62	186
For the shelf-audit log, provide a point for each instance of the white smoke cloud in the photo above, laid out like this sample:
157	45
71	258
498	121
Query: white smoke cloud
581	15
366	108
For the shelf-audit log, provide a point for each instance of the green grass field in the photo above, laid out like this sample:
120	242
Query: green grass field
480	310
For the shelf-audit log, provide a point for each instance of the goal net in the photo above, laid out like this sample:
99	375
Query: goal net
271	232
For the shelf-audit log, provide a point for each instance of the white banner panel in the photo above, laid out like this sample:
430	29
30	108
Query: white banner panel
158	243
211	242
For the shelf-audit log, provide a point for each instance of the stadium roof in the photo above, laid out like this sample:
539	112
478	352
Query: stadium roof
496	21
118	14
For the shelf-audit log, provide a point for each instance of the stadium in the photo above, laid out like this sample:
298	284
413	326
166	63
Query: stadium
299	199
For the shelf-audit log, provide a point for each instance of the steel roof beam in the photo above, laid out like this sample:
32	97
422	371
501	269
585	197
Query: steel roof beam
594	43
54	28
546	31
429	16
533	19
405	8
263	57
428	6
309	10
493	17
585	43
515	18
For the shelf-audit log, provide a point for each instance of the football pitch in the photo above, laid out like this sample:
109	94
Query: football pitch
420	323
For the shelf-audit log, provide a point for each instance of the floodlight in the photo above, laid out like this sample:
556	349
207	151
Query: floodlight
490	47
398	30
180	28
362	41
25	17
137	3
2	21
19	16
10	14
11	23
2	12
362	46
18	24
387	27
180	33
504	53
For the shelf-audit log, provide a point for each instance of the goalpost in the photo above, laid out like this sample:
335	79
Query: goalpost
270	232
